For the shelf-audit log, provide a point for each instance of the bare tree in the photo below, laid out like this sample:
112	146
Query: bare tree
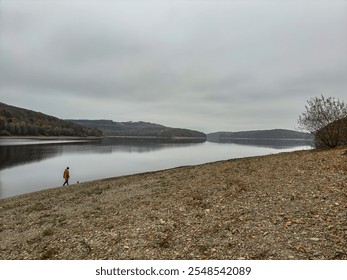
324	117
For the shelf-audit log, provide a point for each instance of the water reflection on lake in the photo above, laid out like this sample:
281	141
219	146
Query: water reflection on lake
31	165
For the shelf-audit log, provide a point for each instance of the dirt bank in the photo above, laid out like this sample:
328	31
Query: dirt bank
284	206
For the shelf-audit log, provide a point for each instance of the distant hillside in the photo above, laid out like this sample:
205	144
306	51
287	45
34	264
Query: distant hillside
22	122
261	134
139	129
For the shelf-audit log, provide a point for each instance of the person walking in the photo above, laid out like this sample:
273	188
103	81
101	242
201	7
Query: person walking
66	176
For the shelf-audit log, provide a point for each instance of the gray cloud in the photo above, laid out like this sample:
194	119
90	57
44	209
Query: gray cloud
208	65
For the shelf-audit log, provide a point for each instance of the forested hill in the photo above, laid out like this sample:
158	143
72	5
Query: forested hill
139	129
262	134
22	122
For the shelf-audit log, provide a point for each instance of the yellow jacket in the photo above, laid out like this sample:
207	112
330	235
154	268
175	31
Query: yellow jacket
66	175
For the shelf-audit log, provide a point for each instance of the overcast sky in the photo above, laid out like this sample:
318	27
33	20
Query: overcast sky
207	65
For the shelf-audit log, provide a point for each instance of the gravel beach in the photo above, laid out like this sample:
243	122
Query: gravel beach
283	206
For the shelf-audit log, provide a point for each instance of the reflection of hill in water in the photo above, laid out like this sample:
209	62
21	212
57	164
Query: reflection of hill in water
26	153
142	145
129	145
19	154
269	143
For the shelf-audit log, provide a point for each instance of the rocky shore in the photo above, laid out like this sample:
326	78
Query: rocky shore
284	206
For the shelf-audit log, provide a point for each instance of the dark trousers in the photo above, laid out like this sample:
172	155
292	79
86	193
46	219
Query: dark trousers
66	182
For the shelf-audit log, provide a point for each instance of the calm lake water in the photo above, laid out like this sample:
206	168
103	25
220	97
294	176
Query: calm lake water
32	165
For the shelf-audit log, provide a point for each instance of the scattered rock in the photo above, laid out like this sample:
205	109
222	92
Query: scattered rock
314	239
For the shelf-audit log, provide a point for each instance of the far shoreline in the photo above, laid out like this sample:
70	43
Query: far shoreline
39	137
